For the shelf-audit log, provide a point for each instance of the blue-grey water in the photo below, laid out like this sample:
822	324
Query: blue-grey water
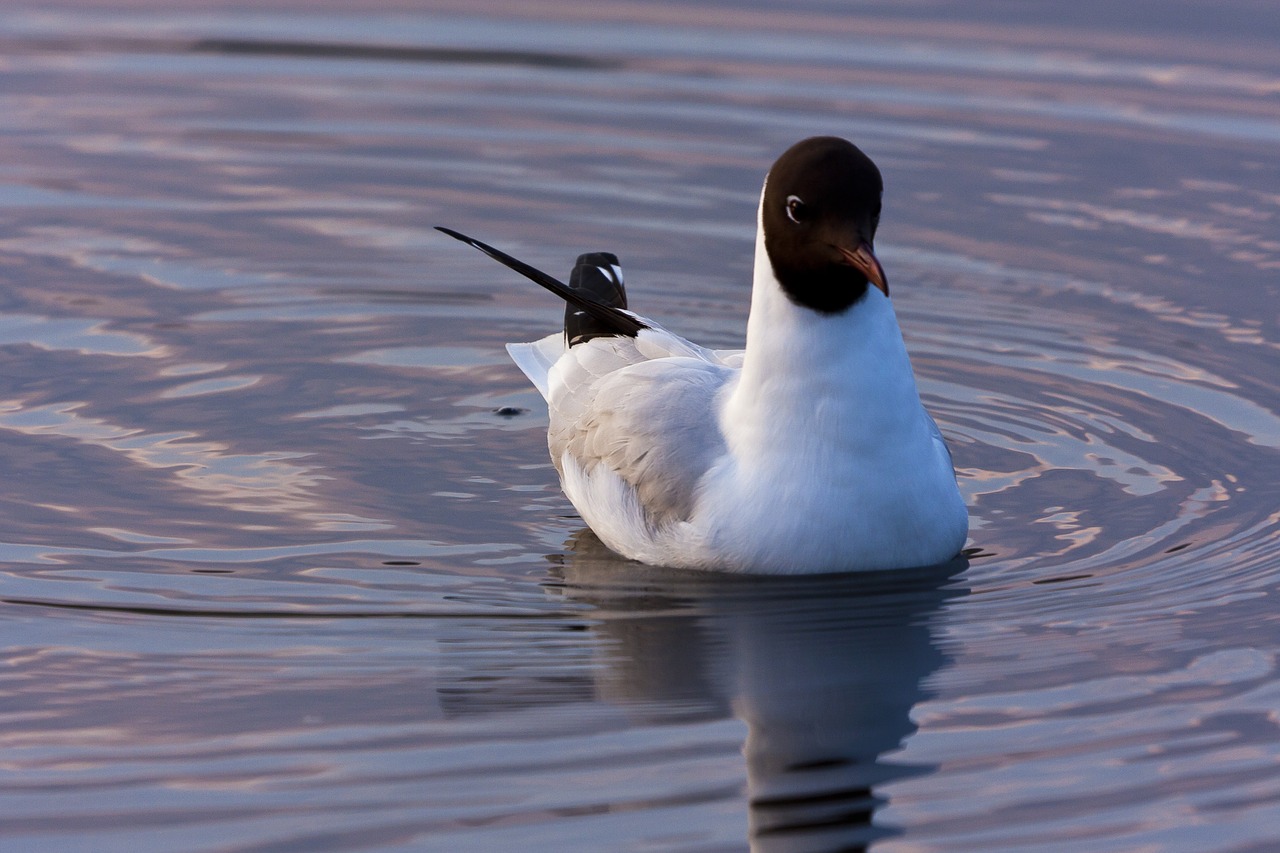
274	575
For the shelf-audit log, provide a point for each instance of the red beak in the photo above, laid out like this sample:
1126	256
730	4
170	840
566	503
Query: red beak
864	260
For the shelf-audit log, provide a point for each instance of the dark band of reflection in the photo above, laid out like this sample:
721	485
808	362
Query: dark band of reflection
312	50
394	53
823	670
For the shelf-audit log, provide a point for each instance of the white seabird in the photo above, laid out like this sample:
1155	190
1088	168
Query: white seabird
809	451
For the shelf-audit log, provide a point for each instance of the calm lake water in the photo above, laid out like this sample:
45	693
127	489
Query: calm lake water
276	576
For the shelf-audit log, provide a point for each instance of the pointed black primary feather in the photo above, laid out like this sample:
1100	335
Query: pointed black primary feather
619	321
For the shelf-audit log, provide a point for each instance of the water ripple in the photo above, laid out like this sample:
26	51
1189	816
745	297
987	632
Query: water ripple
277	574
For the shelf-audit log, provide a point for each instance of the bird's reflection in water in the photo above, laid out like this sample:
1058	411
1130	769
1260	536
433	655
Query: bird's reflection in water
824	671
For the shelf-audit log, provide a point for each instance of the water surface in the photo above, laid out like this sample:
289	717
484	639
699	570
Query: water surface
278	576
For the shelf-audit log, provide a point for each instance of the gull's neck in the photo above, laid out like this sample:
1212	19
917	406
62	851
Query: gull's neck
818	378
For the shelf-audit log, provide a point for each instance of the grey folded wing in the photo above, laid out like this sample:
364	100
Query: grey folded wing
653	423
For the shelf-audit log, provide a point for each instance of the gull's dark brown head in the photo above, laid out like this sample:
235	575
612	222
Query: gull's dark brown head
820	211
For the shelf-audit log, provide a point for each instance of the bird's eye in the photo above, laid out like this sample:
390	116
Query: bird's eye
796	211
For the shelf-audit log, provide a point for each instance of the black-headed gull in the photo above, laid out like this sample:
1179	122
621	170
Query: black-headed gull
809	451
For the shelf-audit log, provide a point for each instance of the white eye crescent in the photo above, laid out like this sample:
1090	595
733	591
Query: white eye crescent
795	209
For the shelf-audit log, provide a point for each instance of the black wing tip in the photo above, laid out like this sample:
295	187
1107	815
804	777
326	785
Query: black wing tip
458	235
596	276
619	321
